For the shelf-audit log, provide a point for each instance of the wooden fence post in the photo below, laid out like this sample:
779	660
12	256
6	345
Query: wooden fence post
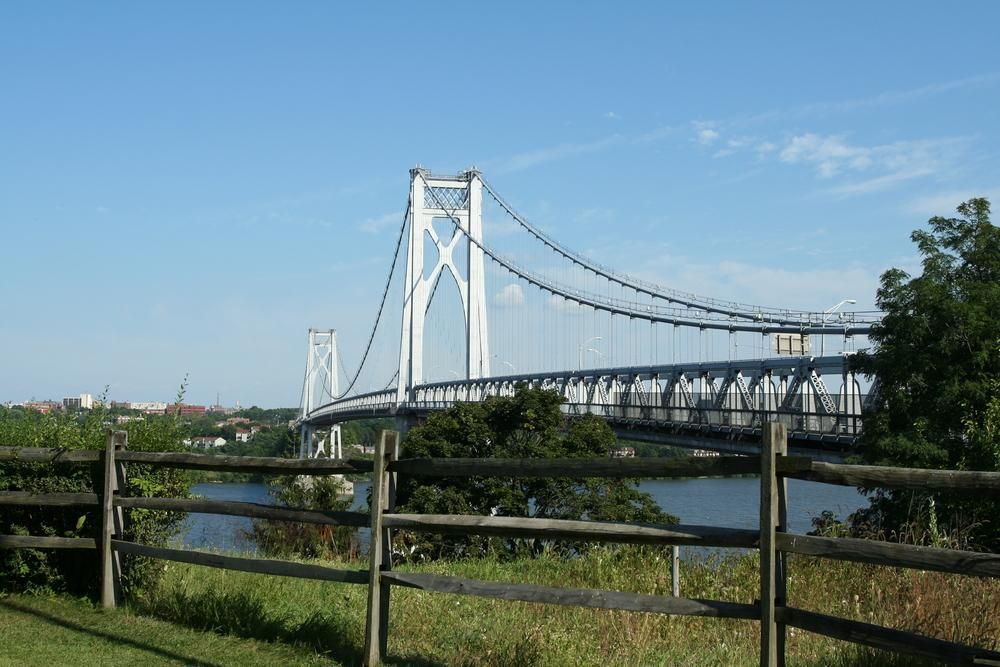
111	521
772	574
377	622
675	570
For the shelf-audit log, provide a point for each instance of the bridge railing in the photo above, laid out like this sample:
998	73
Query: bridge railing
773	609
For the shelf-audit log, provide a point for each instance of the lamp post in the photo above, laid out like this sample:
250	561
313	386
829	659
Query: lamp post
826	316
583	347
509	365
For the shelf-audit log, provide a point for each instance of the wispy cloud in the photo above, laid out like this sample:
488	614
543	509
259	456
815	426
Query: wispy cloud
883	165
944	203
509	295
886	98
704	132
830	154
381	223
528	159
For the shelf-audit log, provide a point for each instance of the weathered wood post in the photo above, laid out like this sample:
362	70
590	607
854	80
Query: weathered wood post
772	567
112	522
377	623
781	560
675	570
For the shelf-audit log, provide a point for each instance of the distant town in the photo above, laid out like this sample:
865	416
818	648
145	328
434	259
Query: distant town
239	429
88	402
218	429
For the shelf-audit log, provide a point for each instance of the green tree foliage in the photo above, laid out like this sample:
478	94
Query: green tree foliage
306	540
72	570
364	431
527	425
937	356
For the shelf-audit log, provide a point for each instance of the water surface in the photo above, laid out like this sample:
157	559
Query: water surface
726	502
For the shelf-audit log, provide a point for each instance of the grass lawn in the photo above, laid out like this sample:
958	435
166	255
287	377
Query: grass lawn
53	631
199	615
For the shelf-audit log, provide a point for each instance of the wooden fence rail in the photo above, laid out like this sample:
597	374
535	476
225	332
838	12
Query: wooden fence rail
772	609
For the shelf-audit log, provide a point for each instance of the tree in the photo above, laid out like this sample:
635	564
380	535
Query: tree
527	425
936	354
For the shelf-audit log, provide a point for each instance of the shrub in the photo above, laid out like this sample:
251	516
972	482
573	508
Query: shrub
71	570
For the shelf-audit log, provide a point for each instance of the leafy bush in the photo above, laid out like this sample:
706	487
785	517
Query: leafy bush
306	540
526	425
71	570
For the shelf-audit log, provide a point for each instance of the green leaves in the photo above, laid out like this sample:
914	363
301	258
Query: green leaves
937	357
526	425
70	571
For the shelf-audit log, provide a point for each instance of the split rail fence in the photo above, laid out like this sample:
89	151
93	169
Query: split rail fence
772	610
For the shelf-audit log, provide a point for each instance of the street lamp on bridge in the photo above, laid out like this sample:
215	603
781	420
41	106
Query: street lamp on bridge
584	347
827	314
509	365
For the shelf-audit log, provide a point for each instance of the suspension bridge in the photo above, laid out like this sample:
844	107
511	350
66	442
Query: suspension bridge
478	301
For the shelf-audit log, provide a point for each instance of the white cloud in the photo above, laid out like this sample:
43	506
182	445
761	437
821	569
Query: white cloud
885	164
381	223
830	154
510	295
611	115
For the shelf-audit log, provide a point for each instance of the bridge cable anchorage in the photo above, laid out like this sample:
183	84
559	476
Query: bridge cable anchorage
381	306
635	310
734	309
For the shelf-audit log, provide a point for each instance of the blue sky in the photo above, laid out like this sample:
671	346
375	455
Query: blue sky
186	188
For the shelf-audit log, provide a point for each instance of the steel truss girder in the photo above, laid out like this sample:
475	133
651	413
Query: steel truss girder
620	395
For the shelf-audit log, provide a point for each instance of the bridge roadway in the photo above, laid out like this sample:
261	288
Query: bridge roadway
716	406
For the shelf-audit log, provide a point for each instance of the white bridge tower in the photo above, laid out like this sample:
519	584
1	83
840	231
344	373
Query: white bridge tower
319	387
459	200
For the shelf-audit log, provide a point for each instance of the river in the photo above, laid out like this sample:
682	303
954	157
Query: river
726	502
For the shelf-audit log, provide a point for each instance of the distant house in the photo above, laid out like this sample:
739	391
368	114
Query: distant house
243	435
623	452
206	442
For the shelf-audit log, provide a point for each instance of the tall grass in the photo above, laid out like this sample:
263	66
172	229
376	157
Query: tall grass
433	628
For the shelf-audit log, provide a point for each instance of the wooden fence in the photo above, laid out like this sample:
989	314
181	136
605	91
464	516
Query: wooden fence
773	609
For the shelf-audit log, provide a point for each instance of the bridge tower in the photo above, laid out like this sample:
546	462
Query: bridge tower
319	386
458	199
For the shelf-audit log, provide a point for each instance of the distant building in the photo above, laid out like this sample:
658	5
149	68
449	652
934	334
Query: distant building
150	408
623	453
206	442
81	402
184	409
44	407
243	435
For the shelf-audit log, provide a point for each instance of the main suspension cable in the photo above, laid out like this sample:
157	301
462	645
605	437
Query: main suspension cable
381	306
